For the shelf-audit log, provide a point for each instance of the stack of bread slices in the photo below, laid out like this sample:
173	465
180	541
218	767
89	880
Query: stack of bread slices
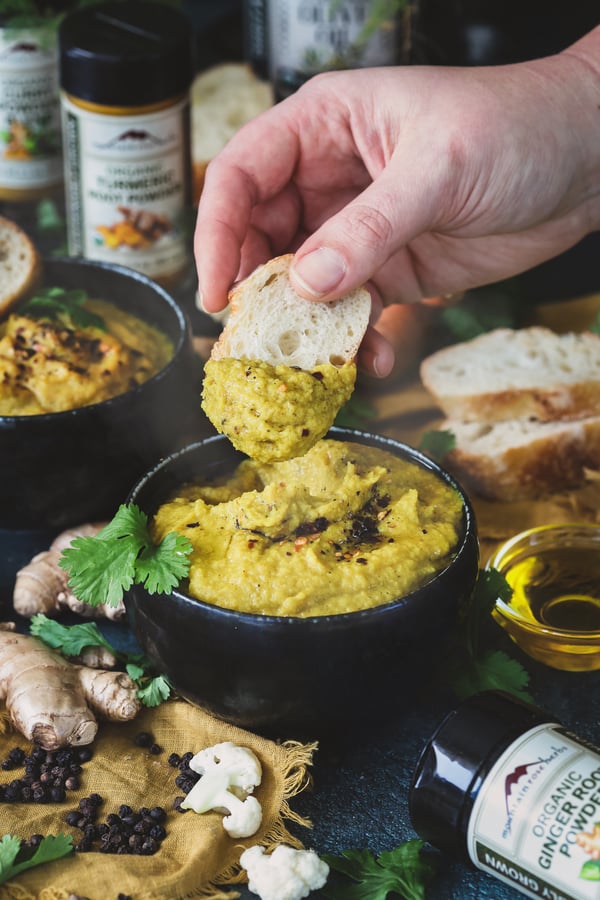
523	406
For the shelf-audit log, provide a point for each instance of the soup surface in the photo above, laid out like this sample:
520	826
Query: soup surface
342	528
55	363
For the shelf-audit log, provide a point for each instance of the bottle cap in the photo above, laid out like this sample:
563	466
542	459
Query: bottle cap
125	54
456	761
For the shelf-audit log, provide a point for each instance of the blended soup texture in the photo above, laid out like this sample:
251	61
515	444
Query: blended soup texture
51	365
341	528
274	413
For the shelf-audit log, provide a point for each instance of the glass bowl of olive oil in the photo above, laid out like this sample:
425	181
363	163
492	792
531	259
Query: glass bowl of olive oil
554	611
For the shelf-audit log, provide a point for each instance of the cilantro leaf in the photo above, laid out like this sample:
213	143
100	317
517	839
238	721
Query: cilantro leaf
69	639
437	443
490	586
402	871
494	670
160	569
470	668
50	848
101	568
354	413
154	691
62	304
595	326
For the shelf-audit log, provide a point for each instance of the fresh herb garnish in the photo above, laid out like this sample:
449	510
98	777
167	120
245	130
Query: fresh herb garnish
474	669
101	568
67	306
405	871
483	309
355	412
437	443
71	640
14	858
48	216
595	326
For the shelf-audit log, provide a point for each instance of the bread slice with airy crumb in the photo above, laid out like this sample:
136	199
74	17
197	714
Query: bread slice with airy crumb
20	265
269	321
283	366
522	459
517	374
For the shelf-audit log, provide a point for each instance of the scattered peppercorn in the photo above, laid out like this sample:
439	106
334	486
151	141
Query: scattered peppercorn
49	774
127	831
186	778
143	739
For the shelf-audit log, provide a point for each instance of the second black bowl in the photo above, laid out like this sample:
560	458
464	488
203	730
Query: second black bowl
62	469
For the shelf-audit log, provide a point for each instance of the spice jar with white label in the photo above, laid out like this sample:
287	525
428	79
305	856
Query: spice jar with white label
503	785
30	140
125	75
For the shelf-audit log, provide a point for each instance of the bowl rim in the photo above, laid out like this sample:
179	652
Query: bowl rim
508	613
469	537
118	399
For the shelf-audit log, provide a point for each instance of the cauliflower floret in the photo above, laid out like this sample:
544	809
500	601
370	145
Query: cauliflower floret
286	874
229	775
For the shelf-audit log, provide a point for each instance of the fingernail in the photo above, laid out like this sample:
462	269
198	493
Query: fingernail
319	272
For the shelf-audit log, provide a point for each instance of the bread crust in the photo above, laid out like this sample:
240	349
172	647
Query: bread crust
517	374
546	463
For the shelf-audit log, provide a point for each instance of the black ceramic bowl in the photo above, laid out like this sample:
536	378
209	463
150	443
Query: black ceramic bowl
62	469
285	676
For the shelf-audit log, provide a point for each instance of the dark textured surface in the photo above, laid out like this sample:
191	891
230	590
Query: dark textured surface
359	796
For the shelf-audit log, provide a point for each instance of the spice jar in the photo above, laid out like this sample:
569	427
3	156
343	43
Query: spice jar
125	74
304	37
30	145
504	785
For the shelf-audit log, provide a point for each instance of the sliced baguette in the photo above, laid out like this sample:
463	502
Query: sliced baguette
20	265
517	374
223	98
520	459
269	321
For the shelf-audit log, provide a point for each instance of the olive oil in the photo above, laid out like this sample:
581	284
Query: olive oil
553	613
558	588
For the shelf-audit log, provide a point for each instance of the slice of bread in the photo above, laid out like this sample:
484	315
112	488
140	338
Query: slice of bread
269	321
223	98
517	374
520	459
20	264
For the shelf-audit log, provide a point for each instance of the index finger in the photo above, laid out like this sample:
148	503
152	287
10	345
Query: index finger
254	167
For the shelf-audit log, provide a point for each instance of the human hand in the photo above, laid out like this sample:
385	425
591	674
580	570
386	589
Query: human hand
421	181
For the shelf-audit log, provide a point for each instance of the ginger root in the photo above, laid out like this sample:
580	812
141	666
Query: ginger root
42	586
51	701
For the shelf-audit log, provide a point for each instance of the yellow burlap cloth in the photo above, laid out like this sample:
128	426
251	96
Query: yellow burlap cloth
197	858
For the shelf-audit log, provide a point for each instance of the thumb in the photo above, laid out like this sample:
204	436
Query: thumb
351	246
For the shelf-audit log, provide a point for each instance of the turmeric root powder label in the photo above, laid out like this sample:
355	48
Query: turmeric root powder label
535	823
127	186
30	145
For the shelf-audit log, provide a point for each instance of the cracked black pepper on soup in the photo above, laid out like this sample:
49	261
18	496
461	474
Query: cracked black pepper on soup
342	528
51	363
